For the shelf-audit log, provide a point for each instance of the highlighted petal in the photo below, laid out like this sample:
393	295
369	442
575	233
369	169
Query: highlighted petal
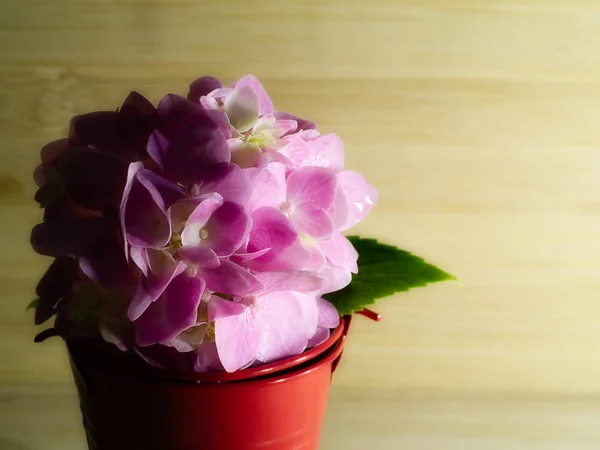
313	221
265	105
354	200
312	185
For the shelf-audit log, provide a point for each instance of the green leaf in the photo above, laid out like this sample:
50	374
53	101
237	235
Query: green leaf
383	270
33	304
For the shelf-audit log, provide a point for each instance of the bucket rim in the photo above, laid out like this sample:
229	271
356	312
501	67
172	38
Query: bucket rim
136	368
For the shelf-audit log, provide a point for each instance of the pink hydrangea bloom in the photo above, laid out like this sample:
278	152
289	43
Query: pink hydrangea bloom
216	237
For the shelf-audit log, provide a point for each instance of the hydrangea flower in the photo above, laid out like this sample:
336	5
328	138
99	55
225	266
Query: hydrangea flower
199	234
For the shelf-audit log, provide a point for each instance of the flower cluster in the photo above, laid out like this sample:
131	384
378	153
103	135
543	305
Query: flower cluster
208	227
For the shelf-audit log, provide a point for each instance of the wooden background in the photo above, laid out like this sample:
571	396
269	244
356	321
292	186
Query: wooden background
478	122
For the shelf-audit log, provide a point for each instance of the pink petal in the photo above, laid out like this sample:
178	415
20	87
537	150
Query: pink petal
313	221
328	151
335	279
290	281
242	257
236	335
229	278
140	257
279	315
173	312
317	260
265	105
301	123
199	256
312	186
242	108
341	253
310	312
320	336
269	186
329	317
356	196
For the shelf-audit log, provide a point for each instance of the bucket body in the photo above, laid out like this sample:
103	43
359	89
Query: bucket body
278	406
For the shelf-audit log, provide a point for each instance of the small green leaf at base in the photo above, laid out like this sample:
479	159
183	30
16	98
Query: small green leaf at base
383	270
33	304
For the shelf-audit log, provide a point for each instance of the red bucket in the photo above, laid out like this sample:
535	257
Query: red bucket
127	405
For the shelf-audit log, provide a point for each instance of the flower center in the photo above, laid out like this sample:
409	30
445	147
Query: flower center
287	208
250	300
203	233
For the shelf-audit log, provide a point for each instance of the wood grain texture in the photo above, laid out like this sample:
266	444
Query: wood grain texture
477	122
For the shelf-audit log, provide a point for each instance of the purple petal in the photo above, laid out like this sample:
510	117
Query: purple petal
242	108
227	229
140	257
312	186
240	258
290	281
354	200
144	222
163	192
163	270
167	357
53	150
175	311
207	359
198	219
329	317
104	262
313	221
84	172
53	287
123	133
229	278
199	256
220	308
70	237
271	229
283	330
203	86
265	105
302	123
237	337
190	141
229	181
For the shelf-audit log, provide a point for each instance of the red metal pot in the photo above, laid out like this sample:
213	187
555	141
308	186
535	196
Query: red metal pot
128	405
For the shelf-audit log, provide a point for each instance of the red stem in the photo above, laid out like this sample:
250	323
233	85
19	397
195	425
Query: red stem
370	314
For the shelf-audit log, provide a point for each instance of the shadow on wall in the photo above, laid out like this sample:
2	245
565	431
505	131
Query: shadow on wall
6	444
